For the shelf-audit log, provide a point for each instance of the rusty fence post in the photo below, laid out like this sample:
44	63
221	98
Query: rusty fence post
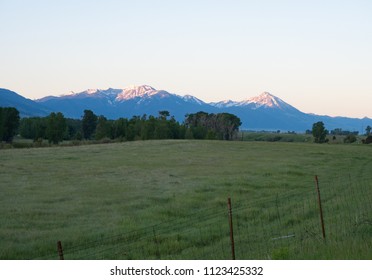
320	206
60	250
231	229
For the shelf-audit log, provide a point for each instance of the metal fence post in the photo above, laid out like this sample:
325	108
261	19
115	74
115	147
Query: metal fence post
320	206
231	229
60	250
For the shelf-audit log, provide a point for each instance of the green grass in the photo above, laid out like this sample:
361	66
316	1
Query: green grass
274	137
168	199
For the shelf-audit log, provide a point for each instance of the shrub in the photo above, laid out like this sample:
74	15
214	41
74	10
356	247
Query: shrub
368	140
350	138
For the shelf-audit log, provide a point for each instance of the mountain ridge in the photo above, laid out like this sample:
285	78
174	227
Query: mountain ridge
26	107
263	112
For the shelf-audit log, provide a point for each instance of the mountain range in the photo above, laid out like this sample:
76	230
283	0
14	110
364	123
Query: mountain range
263	112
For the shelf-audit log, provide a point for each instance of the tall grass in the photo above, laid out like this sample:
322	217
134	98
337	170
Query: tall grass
167	200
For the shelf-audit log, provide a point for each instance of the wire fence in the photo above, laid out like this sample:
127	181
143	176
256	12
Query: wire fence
285	226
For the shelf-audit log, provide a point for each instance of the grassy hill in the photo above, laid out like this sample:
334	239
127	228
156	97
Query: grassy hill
168	200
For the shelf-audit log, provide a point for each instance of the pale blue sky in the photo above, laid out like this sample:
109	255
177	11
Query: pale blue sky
315	55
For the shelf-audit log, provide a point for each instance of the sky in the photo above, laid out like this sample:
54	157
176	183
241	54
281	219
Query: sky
315	55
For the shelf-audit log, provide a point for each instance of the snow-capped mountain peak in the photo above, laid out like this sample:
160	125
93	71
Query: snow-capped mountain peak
266	100
136	91
193	99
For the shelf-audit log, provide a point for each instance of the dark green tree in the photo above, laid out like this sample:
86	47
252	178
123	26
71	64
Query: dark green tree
197	124
119	128
103	129
162	127
221	126
26	129
368	140
163	115
228	124
56	127
368	130
9	123
33	128
319	132
134	128
148	128
351	138
89	124
74	129
175	129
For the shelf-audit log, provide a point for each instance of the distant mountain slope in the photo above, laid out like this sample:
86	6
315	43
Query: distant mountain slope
132	101
26	107
263	112
268	112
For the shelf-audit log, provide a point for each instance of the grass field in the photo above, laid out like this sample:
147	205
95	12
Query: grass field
168	200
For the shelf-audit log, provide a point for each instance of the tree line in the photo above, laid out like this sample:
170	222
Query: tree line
201	125
221	126
56	128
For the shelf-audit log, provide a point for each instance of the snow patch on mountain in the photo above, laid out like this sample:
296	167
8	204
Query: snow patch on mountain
265	100
193	99
136	91
91	91
224	104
